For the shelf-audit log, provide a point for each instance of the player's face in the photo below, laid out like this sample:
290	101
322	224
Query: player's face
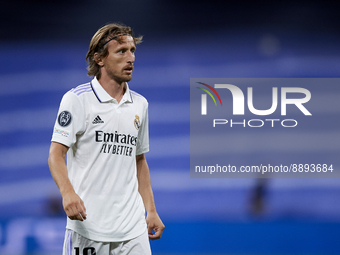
118	65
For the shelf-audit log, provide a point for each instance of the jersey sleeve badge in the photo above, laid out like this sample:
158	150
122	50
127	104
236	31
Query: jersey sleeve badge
64	118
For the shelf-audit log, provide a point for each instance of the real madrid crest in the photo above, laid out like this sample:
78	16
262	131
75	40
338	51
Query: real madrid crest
137	122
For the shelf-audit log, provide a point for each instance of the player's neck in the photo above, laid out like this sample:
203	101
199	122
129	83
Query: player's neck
115	89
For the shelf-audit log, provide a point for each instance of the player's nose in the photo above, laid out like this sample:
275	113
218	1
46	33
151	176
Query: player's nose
131	57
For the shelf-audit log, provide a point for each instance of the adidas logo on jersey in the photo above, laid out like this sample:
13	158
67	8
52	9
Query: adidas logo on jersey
97	120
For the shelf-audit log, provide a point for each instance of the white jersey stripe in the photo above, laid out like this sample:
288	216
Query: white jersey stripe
68	242
83	91
136	94
71	243
81	86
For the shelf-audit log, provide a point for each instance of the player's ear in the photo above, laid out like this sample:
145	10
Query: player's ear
98	59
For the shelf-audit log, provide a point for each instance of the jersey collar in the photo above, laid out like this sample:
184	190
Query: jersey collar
103	96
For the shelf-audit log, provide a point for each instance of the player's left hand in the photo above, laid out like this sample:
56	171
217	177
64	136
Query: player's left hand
155	226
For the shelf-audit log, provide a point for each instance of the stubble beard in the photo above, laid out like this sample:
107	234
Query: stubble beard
120	79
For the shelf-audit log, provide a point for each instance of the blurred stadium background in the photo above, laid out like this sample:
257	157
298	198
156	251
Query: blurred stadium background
42	50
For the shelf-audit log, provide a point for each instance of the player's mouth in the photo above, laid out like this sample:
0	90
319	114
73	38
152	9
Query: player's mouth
128	69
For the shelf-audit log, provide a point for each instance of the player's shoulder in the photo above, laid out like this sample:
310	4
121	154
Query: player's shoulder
78	92
81	89
77	95
138	97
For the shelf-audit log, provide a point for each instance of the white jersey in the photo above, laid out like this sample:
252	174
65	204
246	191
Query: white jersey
104	137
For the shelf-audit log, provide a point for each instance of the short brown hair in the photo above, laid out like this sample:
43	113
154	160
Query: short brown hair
99	44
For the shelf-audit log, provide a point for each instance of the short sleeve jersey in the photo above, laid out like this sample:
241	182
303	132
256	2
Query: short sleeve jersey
104	137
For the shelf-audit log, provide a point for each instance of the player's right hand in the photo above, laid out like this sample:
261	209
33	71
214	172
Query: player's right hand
74	207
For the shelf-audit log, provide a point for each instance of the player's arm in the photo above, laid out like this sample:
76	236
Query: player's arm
152	219
72	203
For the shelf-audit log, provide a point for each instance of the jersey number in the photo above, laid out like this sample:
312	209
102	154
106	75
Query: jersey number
86	251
